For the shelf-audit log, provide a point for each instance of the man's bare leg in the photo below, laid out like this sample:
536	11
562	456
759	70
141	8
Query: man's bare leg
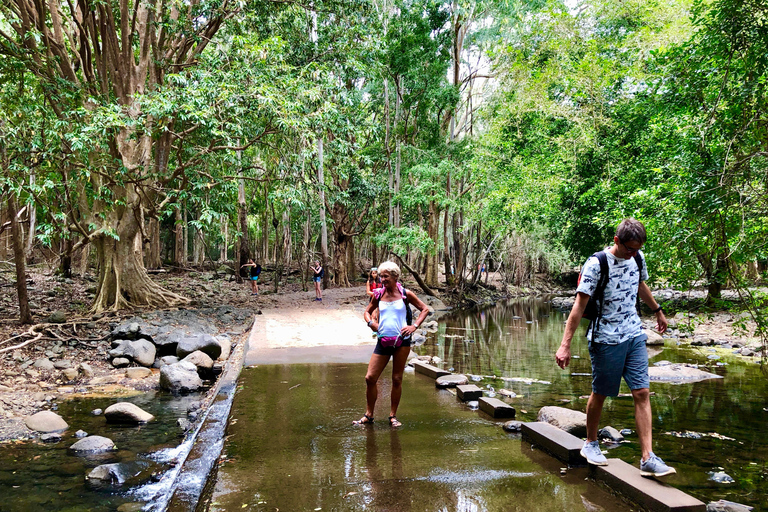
643	420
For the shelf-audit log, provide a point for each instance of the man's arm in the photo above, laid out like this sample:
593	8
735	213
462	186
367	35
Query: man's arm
563	354
646	296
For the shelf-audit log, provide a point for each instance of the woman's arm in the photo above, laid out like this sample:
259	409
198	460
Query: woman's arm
368	314
368	289
424	312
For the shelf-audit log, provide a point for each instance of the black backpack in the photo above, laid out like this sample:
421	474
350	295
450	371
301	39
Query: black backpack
594	310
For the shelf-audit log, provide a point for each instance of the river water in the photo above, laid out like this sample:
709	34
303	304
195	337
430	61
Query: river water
291	445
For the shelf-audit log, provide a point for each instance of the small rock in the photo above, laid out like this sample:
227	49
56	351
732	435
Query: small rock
86	370
57	317
131	507
138	373
654	338
226	346
97	412
141	351
727	506
50	438
93	444
81	434
120	362
126	412
107	473
62	364
200	360
611	434
184	424
69	374
721	478
512	426
169	359
44	364
46	421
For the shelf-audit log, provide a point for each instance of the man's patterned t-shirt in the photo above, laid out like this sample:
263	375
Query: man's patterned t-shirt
619	321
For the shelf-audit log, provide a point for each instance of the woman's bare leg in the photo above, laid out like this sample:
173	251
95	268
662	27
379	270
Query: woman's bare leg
375	366
398	368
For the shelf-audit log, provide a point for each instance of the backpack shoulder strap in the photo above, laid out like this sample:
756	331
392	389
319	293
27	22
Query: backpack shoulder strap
602	282
640	264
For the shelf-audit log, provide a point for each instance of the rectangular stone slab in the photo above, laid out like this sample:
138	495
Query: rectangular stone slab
429	370
496	408
468	392
649	493
558	443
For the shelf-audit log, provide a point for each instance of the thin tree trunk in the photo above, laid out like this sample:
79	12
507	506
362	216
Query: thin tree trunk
185	235
323	223
30	240
391	216
225	239
25	315
449	280
152	256
396	190
244	252
178	245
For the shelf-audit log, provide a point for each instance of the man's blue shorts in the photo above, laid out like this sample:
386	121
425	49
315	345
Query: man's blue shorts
612	362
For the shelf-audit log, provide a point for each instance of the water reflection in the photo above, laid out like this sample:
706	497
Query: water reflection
519	339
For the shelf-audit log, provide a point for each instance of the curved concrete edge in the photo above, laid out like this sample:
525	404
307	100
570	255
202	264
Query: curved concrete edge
192	494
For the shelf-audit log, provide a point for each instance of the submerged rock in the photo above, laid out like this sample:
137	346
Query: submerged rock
93	444
512	426
107	473
727	506
721	478
50	438
679	374
46	421
573	422
611	434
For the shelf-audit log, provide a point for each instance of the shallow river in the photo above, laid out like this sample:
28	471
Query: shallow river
291	445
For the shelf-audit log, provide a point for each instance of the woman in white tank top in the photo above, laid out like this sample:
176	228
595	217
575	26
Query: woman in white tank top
393	338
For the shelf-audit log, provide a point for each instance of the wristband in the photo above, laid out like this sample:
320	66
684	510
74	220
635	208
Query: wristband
369	322
657	310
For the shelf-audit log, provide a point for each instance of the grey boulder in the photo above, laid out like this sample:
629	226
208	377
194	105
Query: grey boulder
93	444
126	412
44	364
727	506
181	377
573	422
202	342
167	342
226	346
46	421
140	351
610	434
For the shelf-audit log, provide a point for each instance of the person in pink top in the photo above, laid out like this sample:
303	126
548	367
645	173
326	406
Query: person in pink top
393	332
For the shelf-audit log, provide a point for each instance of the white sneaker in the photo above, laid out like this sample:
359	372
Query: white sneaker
654	466
591	452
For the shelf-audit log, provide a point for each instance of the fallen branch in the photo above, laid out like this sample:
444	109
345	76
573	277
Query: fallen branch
20	345
416	276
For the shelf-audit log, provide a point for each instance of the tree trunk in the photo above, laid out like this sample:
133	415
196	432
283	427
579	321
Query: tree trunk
178	244
351	264
198	247
25	315
65	263
244	254
432	259
30	240
396	189
225	239
185	238
340	277
123	281
152	256
323	223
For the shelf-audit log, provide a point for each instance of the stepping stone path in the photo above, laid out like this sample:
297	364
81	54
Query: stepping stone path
427	369
496	408
561	445
468	392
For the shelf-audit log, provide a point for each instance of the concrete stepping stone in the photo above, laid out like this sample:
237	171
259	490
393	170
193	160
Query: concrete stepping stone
496	408
560	444
468	392
430	371
451	381
649	493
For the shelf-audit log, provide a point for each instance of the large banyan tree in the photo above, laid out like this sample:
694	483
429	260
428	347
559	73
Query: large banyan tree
98	62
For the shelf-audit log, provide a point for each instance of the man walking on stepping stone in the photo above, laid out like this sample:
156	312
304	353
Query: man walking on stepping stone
616	339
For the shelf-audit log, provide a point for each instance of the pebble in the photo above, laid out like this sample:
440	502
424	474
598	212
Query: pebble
81	434
97	412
